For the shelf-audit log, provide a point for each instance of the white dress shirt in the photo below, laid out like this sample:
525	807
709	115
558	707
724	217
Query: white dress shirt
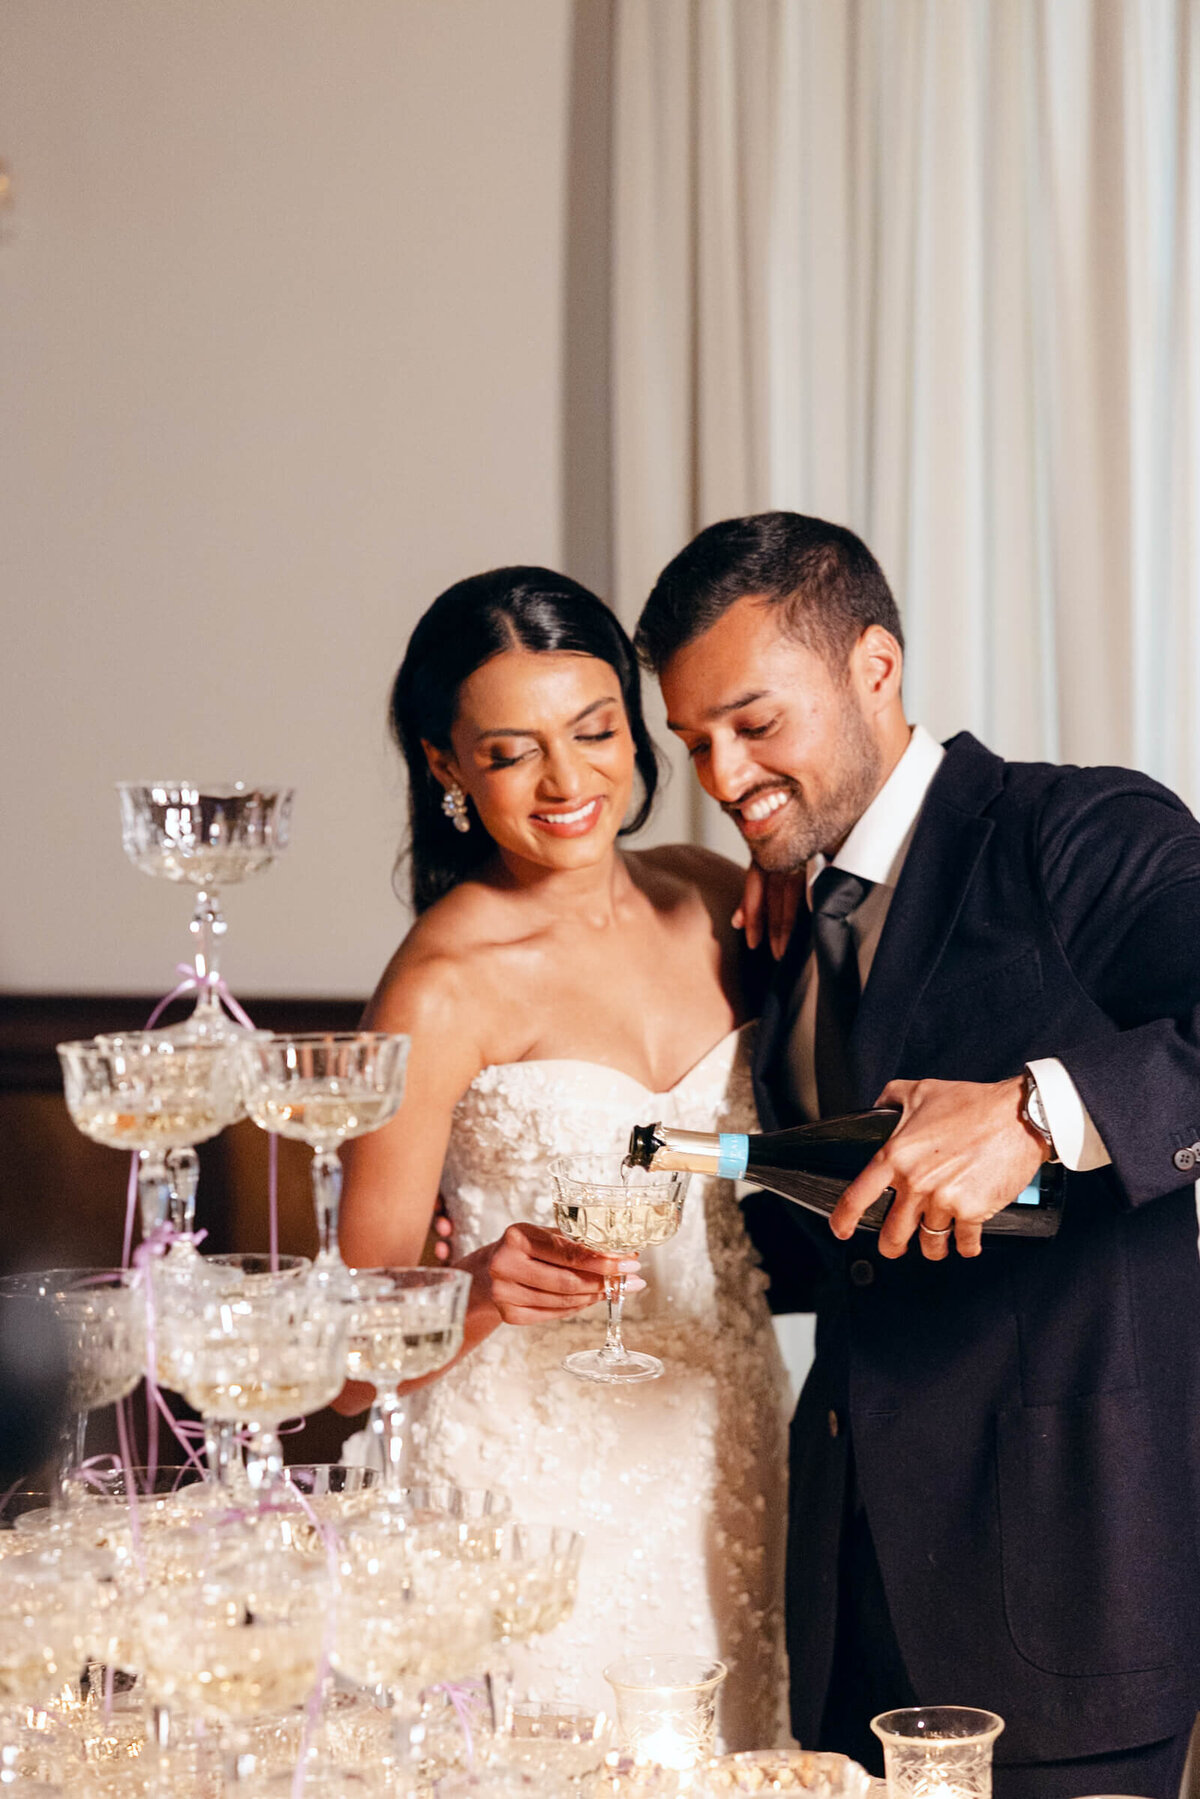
875	851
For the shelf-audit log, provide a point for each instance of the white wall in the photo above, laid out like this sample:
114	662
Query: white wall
282	299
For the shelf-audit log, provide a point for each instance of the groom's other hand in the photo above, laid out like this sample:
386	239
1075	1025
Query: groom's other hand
769	906
535	1275
959	1155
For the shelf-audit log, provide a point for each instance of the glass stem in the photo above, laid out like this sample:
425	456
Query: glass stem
407	1724
71	1453
389	1417
614	1295
327	1193
264	1458
238	1758
183	1166
207	927
154	1190
499	1684
223	1454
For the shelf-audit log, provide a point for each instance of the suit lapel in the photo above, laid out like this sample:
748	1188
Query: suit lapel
941	862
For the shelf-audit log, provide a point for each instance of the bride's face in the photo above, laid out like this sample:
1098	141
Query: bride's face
542	745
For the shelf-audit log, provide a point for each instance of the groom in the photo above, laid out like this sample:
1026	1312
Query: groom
994	1474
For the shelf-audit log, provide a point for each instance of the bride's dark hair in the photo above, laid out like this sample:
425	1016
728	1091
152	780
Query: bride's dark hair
476	619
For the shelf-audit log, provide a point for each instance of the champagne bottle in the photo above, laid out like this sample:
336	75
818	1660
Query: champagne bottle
813	1164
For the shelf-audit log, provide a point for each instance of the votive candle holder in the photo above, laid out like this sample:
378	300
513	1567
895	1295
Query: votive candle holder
667	1707
938	1751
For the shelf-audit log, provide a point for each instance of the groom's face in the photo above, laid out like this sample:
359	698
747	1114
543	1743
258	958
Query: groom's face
777	737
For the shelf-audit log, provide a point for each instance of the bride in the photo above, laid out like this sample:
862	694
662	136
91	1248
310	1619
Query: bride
559	990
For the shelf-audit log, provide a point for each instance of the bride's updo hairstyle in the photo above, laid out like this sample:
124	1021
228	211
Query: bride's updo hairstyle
476	619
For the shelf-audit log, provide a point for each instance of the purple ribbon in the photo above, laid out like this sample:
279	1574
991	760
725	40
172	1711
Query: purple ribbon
467	1699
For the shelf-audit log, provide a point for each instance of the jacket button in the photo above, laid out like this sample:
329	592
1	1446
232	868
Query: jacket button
834	1426
1185	1160
862	1273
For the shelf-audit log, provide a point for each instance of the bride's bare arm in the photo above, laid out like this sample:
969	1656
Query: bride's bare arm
392	1175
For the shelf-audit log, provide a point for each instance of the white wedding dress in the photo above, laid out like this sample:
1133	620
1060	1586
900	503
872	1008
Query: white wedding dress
678	1485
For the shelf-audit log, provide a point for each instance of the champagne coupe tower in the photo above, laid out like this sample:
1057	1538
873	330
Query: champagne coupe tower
209	836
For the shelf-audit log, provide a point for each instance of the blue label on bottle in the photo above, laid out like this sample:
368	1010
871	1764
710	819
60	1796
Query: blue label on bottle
733	1152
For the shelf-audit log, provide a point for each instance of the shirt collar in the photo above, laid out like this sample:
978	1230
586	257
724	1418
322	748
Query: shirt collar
877	845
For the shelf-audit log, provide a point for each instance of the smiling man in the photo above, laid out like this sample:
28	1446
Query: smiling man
995	1458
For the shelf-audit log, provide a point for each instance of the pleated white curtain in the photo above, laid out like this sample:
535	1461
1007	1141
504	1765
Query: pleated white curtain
930	268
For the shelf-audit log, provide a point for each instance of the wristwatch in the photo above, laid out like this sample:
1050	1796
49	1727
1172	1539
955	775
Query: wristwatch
1032	1111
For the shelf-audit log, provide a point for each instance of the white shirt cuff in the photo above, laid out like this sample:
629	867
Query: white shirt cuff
1077	1142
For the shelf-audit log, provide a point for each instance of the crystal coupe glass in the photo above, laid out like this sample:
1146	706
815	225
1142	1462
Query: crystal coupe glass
323	1088
175	1279
102	1316
405	1323
146	1092
208	835
617	1211
240	1636
254	1355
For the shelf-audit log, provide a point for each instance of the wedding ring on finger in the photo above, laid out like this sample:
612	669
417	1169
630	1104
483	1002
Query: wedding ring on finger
929	1231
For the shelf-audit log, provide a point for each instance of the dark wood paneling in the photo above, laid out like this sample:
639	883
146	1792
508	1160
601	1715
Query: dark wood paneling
32	1023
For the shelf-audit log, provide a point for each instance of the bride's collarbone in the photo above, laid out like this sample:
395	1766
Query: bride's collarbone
646	1001
653	1035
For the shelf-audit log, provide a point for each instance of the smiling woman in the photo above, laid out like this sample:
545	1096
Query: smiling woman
453	676
559	990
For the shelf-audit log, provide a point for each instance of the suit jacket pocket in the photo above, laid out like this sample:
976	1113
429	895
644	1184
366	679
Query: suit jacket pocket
1085	1546
982	983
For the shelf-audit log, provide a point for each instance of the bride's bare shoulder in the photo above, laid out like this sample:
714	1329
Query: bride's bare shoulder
712	877
448	965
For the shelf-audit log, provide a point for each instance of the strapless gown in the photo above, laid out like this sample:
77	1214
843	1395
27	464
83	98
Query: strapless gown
678	1485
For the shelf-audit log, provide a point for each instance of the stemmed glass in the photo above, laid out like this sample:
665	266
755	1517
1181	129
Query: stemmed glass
146	1092
238	1638
102	1317
253	1355
207	835
174	1279
617	1211
323	1088
404	1323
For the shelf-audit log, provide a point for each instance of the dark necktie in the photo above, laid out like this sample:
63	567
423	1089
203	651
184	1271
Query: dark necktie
835	895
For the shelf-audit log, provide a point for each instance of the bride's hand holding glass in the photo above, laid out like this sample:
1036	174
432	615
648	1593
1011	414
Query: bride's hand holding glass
532	1275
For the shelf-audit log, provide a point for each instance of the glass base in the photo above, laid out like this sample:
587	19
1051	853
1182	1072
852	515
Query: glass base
593	1364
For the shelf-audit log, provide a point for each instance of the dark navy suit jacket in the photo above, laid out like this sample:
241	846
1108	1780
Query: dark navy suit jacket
1025	1425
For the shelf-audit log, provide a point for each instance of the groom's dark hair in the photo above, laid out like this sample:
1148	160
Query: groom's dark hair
824	577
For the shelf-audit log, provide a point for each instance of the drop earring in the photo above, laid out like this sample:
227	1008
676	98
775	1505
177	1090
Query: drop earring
454	806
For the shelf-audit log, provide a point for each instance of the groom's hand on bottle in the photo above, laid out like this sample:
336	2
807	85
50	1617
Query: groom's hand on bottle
959	1155
536	1276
